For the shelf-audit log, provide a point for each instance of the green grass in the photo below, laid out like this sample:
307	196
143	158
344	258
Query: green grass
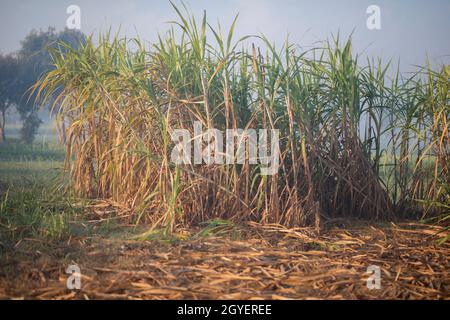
28	172
15	151
30	204
24	165
31	212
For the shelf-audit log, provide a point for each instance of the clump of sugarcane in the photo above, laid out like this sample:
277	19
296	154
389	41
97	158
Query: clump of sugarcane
353	143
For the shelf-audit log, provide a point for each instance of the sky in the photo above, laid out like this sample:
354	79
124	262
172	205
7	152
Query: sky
410	30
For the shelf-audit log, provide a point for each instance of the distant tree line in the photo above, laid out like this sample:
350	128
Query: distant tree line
21	69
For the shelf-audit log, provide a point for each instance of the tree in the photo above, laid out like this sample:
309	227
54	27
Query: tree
34	61
8	88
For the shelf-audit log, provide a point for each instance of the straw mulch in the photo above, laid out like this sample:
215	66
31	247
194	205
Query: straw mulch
253	262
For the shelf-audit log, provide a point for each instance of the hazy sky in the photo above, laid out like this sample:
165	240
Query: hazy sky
410	29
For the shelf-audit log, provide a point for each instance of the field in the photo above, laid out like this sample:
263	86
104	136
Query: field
362	179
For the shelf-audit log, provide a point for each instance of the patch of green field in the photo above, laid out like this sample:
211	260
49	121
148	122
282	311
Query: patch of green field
30	204
14	150
25	173
27	164
31	212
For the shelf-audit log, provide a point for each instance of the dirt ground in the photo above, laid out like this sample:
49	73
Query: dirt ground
262	262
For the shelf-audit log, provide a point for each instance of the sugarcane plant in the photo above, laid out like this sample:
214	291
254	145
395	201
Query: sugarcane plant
354	141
